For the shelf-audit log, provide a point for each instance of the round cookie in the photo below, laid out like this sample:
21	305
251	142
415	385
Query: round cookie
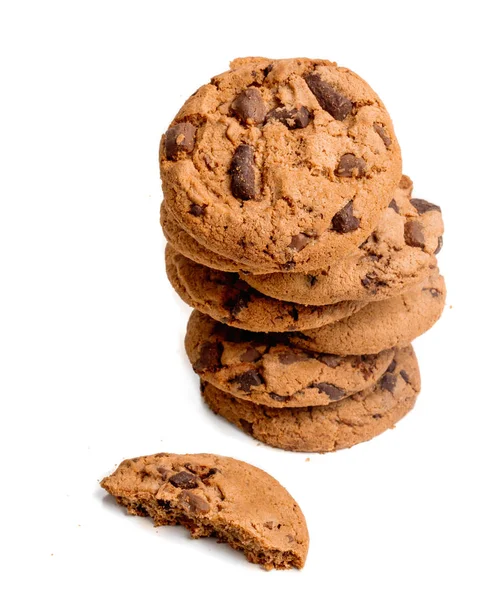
381	325
396	256
334	426
226	298
281	164
266	369
216	495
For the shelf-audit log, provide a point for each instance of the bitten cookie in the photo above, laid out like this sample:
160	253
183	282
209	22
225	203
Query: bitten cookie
215	495
334	426
226	298
281	164
266	369
381	325
396	256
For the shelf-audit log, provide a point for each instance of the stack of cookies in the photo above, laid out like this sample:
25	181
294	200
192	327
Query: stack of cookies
295	237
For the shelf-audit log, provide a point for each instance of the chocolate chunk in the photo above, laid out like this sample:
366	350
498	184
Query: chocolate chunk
196	210
299	241
289	358
405	376
337	105
163	472
332	391
433	291
388	382
394	205
423	206
377	416
413	234
249	107
209	358
202	471
295	118
294	313
233	334
179	138
439	245
249	379
193	503
238	302
392	366
184	480
351	166
344	221
246	426
278	397
366	363
312	280
267	70
372	283
381	131
331	360
250	355
209	163
243	184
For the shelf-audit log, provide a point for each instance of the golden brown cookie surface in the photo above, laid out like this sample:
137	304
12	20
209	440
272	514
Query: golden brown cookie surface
327	428
267	370
281	163
380	325
397	255
216	495
229	299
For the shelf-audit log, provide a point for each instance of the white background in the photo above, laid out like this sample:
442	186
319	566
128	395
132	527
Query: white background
92	362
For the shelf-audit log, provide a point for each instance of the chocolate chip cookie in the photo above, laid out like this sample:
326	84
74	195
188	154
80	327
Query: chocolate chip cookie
266	369
216	496
396	256
229	299
281	164
334	426
390	261
381	325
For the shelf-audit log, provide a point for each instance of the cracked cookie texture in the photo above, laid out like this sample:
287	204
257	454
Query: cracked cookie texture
328	428
266	369
396	256
218	496
280	164
229	299
380	325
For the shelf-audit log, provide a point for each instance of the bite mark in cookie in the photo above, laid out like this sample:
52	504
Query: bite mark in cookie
217	496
